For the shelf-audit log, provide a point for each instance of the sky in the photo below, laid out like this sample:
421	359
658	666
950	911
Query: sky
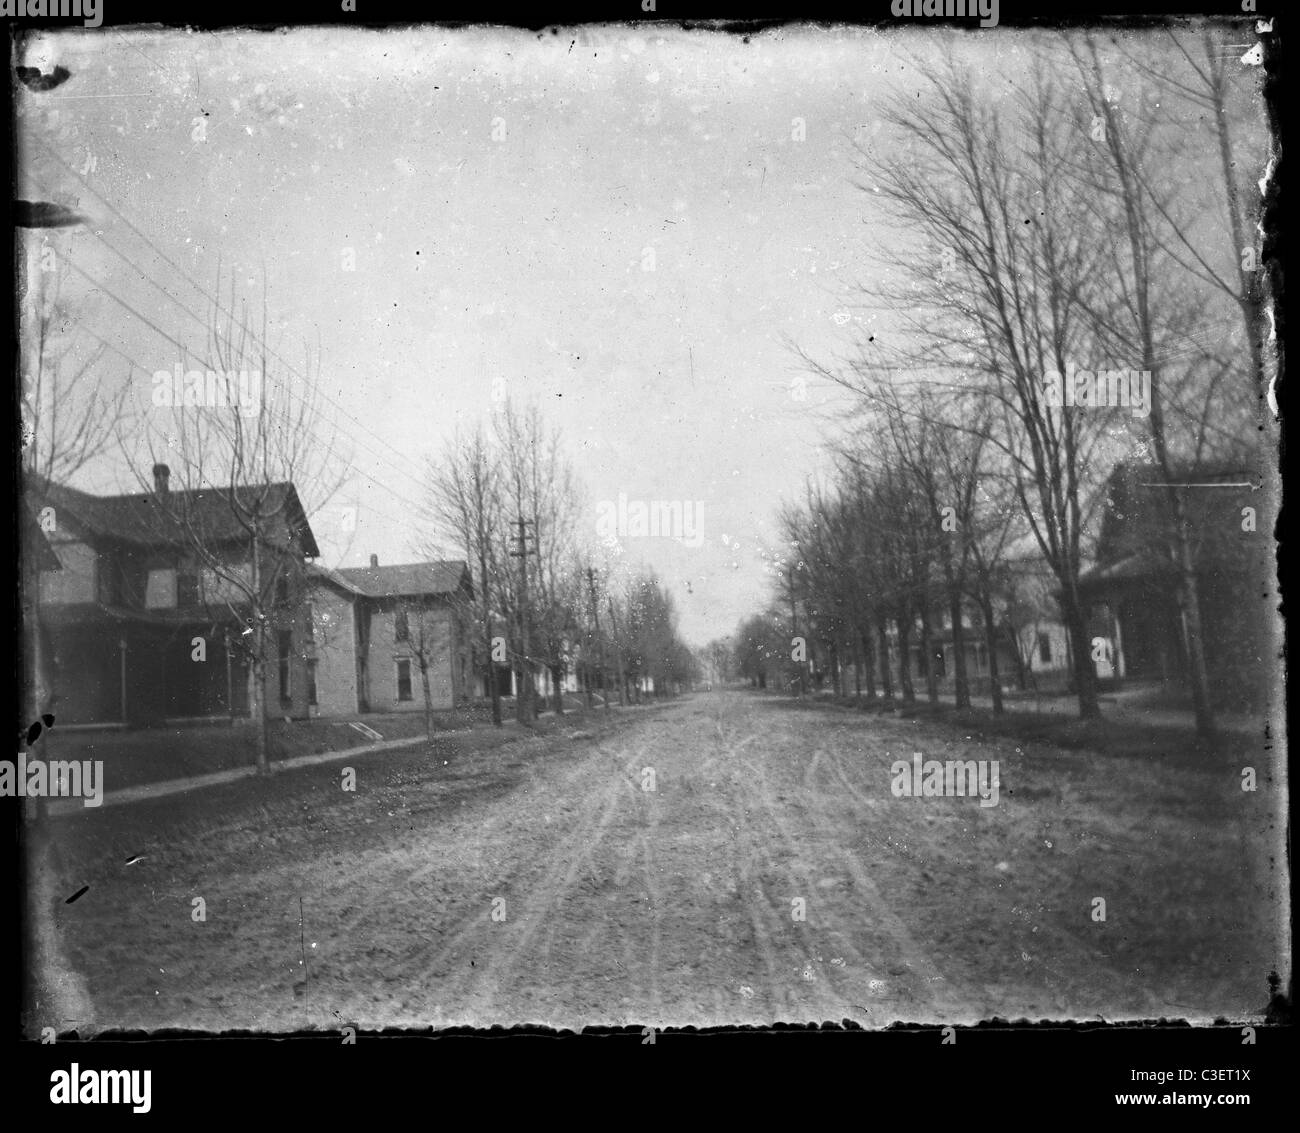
634	230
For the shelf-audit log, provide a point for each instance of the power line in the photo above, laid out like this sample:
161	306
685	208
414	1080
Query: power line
203	291
187	351
132	361
136	364
198	319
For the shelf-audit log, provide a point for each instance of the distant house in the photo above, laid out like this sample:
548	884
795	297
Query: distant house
373	626
1132	589
1045	649
1032	615
140	630
975	647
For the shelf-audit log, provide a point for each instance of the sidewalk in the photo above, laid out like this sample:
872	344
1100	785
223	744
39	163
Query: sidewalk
147	791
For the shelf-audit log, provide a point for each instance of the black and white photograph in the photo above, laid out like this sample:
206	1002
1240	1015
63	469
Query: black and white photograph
647	525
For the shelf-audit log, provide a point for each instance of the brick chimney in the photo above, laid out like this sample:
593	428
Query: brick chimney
161	474
374	561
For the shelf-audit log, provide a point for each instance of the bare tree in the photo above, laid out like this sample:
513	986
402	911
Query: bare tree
466	506
1000	301
73	402
245	431
1210	94
420	617
1148	308
539	489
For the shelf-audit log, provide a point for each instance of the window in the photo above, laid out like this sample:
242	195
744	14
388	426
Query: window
286	665
160	590
311	624
311	683
1045	648
282	590
403	680
401	626
187	588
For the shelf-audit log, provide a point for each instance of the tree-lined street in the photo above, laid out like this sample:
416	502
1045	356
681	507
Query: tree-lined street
652	526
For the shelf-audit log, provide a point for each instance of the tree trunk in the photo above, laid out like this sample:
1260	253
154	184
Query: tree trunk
1085	676
428	699
991	638
868	662
494	683
557	683
521	695
259	706
882	640
1189	601
1250	295
961	683
905	658
1022	678
259	663
927	648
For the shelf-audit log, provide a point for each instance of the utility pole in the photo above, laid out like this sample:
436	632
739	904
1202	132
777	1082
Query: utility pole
493	680
524	701
595	615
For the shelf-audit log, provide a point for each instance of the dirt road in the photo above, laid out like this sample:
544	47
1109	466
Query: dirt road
724	859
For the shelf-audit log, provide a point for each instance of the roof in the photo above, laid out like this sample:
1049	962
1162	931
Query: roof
407	580
141	519
1136	518
1139	566
332	576
86	613
971	635
1134	494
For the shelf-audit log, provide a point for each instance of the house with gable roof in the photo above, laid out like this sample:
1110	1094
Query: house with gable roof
380	631
1131	590
141	628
